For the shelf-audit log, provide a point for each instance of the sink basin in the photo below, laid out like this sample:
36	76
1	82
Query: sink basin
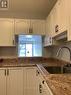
57	69
53	69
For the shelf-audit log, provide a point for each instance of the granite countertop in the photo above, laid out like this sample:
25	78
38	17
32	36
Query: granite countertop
31	61
60	84
36	60
54	62
2	65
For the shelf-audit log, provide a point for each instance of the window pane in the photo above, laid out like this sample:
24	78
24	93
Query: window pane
21	50
29	45
37	50
28	50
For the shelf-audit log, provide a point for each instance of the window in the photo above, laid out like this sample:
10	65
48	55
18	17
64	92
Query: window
29	45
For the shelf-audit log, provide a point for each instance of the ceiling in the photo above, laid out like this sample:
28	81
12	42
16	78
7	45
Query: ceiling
28	9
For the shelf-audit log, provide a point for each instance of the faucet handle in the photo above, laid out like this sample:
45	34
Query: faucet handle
68	65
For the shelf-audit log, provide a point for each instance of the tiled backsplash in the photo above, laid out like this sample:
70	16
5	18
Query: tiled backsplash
64	53
8	52
47	52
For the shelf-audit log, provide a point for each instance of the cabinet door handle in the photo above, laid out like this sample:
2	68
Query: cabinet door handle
13	42
37	72
50	39
43	81
7	72
56	28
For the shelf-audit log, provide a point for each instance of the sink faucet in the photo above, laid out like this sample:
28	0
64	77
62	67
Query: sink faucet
62	48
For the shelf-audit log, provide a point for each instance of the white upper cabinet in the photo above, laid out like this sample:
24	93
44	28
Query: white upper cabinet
69	19
55	17
62	15
6	32
48	26
22	26
48	41
56	22
27	26
38	26
59	19
52	21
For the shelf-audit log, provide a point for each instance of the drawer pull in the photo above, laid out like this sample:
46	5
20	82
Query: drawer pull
37	72
5	72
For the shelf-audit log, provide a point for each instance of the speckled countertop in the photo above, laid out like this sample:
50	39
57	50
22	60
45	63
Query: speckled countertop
2	65
32	60
60	84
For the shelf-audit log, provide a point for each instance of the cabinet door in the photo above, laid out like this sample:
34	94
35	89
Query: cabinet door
22	26
60	16
45	92
45	89
49	25
30	81
43	86
55	18
63	16
48	41
2	82
69	19
52	21
38	27
6	32
15	81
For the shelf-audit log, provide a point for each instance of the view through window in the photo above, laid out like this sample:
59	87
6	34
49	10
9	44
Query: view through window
29	45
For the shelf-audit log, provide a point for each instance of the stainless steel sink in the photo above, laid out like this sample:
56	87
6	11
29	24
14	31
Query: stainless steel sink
58	69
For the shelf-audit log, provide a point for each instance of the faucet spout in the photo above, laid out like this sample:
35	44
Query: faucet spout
62	48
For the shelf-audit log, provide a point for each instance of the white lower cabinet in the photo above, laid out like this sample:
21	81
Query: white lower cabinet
45	90
15	81
2	82
43	86
11	81
22	81
31	86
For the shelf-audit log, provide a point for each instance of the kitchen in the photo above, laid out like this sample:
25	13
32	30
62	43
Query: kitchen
24	73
